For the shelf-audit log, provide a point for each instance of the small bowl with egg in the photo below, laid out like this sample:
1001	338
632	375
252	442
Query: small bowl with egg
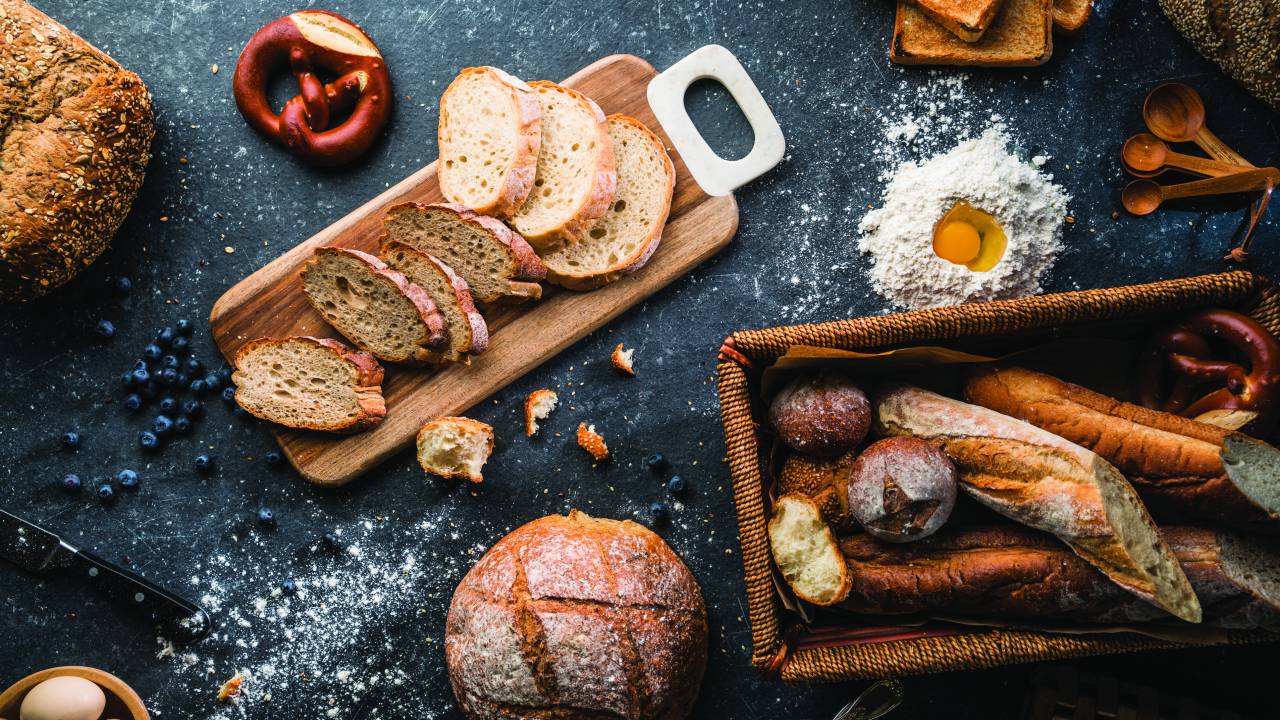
71	692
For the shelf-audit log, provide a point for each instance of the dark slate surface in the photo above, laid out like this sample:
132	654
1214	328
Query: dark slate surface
823	67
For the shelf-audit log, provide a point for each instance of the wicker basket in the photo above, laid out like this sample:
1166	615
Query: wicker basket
797	652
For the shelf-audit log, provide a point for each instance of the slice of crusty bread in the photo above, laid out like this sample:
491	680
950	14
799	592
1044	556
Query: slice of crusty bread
455	448
498	264
575	181
374	306
629	233
806	553
966	19
1021	35
489	134
309	383
468	334
1071	15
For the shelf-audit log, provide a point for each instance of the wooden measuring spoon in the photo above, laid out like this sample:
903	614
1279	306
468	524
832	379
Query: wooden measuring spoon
1142	197
1146	155
1174	112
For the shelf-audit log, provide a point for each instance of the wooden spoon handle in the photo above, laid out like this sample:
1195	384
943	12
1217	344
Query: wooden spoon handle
1245	181
1218	149
1202	166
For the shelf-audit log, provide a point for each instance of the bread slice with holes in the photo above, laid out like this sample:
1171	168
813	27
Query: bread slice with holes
374	306
805	552
629	233
309	383
575	181
1020	36
489	134
455	448
468	334
498	265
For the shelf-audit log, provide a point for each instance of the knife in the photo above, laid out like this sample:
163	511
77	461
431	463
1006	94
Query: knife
39	551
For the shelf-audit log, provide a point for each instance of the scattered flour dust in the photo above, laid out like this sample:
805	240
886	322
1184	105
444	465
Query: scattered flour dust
899	235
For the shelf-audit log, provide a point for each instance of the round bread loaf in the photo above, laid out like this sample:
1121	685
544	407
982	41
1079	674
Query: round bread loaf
75	144
574	617
1241	36
902	489
822	414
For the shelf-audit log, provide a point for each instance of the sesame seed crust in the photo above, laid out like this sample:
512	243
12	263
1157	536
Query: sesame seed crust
1241	36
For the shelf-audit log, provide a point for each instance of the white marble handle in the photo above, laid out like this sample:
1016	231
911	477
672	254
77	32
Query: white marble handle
713	173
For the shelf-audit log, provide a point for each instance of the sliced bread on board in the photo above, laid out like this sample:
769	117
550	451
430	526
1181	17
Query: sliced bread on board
575	181
455	448
374	306
309	383
498	265
1021	35
468	334
629	233
489	134
1071	15
966	19
1048	483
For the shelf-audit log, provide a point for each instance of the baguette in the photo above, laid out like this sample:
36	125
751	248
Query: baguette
1048	483
1012	572
1180	467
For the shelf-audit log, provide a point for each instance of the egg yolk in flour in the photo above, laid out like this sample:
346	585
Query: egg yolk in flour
968	236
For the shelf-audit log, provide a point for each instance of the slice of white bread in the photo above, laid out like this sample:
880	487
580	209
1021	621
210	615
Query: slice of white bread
806	553
498	264
575	181
489	134
455	448
629	233
309	383
374	306
468	334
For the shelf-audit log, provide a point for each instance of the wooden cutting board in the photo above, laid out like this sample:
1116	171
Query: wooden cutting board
270	302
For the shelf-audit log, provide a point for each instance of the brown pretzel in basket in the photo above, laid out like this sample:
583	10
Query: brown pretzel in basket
307	42
1244	396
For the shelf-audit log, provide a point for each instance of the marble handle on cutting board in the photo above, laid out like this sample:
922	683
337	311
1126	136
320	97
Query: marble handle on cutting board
713	173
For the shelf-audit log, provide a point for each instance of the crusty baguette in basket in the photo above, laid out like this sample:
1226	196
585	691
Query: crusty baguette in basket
1046	482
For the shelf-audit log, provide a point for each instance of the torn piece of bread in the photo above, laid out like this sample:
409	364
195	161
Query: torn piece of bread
592	442
468	334
806	553
623	360
489	134
537	407
1020	36
309	383
966	19
1071	15
455	448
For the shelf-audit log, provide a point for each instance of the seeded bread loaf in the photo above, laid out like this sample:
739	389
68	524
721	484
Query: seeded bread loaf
629	233
468	334
1241	36
826	482
498	264
966	19
309	383
1020	36
575	180
374	306
455	448
489	134
75	139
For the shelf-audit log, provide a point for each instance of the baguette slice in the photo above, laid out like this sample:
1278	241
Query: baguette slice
455	448
806	553
374	306
966	19
498	264
468	334
309	383
629	233
576	179
1020	36
1180	467
1071	15
489	134
1043	481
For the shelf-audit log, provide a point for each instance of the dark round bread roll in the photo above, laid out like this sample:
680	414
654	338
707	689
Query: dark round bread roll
823	414
902	489
574	617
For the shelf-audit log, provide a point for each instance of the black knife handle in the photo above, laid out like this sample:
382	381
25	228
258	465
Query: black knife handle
180	620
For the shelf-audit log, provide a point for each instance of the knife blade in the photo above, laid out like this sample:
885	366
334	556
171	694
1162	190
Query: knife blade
40	551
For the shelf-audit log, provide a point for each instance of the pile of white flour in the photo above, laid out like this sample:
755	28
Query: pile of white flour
982	171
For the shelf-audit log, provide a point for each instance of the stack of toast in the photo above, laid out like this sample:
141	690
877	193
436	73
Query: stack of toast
993	33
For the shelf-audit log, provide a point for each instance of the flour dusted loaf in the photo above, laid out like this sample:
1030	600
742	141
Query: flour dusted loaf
577	617
74	147
468	334
309	383
822	413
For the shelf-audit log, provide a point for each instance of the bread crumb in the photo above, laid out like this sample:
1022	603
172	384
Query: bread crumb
592	442
622	360
231	688
214	69
537	407
228	250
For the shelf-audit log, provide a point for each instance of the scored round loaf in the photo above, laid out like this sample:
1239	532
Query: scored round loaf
575	617
73	151
902	489
822	414
1241	36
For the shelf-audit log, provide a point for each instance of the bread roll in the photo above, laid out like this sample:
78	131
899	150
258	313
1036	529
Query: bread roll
822	414
902	489
826	482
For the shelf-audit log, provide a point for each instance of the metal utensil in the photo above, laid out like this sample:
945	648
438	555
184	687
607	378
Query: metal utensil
862	707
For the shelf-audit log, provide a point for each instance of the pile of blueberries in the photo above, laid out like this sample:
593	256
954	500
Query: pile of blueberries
676	486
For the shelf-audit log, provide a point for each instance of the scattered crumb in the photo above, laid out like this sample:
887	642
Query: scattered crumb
537	407
622	360
231	688
592	442
228	250
214	69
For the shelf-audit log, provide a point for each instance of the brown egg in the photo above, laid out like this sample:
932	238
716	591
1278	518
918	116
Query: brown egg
65	697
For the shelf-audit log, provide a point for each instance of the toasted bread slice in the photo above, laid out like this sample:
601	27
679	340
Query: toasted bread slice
468	334
575	181
498	264
537	407
455	448
966	19
806	553
629	233
309	383
1071	15
489	134
1020	36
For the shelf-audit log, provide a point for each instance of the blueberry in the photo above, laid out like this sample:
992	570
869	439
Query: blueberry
204	464
152	351
331	541
288	586
658	510
148	440
169	376
123	286
225	374
656	462
676	485
213	381
266	517
106	329
169	361
182	327
133	402
71	482
141	365
162	425
181	345
106	493
182	424
198	387
128	479
168	404
273	458
229	395
165	337
193	408
193	366
70	440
